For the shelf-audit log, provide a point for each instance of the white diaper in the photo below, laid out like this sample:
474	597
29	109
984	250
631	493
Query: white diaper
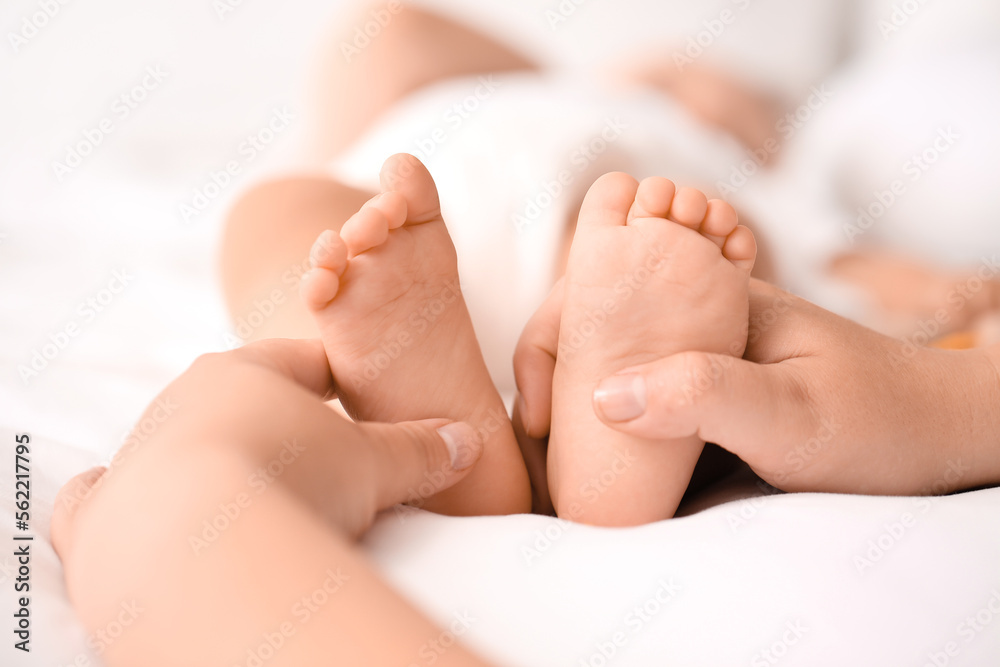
513	156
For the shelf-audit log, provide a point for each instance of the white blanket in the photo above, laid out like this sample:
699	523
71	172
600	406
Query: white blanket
802	579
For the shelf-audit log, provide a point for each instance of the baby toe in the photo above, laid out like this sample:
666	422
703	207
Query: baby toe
740	248
689	207
329	252
364	230
407	177
318	287
608	201
653	198
393	207
720	221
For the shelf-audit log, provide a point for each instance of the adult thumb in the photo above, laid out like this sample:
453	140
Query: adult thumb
722	399
416	460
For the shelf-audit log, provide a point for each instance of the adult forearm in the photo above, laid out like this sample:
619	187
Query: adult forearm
967	415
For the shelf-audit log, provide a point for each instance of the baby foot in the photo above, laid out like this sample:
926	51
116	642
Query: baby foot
385	293
652	271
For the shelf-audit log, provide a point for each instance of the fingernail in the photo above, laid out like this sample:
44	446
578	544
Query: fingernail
621	398
463	444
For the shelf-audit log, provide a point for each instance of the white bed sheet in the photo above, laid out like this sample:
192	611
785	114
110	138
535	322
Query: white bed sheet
62	243
812	579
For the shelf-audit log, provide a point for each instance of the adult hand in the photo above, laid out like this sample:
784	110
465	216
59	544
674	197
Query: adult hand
818	403
266	401
244	497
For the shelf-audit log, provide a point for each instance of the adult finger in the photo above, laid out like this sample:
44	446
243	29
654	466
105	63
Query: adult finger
534	451
722	399
302	361
412	461
535	364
